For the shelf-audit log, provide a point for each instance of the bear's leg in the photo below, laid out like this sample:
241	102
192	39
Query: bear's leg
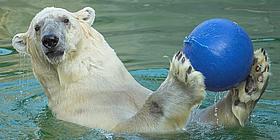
168	108
236	107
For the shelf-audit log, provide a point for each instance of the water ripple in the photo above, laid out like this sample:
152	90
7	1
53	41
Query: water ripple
265	39
5	51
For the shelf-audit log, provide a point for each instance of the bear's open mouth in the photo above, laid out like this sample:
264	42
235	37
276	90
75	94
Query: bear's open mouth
52	54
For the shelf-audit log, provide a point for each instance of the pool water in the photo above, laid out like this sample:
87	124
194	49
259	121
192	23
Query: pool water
145	35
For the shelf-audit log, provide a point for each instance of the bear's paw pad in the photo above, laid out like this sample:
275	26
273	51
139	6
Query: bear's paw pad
258	79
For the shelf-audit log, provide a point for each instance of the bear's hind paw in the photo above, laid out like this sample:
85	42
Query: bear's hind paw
254	86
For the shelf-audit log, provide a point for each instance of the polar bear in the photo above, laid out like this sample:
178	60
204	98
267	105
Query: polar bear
87	84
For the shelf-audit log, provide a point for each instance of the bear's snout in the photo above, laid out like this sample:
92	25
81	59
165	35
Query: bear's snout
50	41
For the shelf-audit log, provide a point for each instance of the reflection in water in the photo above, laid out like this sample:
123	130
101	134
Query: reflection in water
142	33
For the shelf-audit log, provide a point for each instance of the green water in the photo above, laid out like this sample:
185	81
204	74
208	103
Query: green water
142	32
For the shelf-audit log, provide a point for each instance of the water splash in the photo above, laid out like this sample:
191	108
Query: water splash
216	108
218	97
21	72
250	118
194	113
275	123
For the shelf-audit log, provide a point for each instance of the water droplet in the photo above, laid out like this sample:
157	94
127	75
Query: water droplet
275	123
21	71
217	98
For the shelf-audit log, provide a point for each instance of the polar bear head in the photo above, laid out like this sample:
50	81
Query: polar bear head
53	32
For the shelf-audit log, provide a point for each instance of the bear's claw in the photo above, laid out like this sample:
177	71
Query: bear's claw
182	69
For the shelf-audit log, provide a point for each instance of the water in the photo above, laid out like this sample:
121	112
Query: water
142	33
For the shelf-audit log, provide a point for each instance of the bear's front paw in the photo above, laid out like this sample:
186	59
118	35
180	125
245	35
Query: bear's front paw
182	70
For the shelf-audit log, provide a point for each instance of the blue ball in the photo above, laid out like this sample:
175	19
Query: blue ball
222	51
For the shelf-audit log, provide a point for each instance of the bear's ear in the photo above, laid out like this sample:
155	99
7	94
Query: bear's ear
19	42
87	14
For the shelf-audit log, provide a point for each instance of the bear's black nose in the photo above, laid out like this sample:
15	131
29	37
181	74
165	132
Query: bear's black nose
50	41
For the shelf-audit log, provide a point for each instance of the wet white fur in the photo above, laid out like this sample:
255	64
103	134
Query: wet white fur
90	85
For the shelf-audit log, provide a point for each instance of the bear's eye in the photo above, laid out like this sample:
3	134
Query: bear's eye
37	28
66	20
